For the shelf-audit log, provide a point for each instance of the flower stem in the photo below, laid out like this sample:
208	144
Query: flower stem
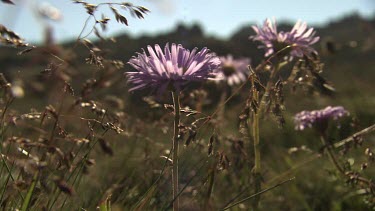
254	129
331	155
211	181
176	103
257	167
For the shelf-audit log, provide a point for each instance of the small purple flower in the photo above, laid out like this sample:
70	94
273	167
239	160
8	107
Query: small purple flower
267	35
171	69
318	118
300	38
233	71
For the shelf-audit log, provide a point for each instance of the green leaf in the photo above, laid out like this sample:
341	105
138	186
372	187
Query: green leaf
27	200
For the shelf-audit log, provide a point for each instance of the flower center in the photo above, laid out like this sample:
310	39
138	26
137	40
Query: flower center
280	48
228	70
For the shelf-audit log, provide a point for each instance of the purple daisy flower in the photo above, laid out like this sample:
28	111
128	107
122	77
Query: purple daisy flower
319	118
300	38
233	71
172	68
267	35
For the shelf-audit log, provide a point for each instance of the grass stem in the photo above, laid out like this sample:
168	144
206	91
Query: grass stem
176	103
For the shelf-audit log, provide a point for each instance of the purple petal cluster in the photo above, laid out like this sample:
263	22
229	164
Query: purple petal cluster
172	68
233	71
300	38
267	35
306	119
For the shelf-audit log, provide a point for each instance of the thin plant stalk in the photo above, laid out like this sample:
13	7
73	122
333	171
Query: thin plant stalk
257	165
9	170
258	193
211	182
176	103
30	192
342	171
79	172
79	167
334	161
353	137
153	186
254	130
331	155
188	182
5	186
256	138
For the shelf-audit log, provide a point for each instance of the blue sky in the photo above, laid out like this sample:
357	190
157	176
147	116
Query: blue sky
218	17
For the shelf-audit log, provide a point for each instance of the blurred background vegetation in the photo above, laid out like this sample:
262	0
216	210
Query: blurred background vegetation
128	163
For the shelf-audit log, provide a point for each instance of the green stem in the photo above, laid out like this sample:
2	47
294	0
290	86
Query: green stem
211	182
256	194
5	186
254	130
176	103
256	139
257	165
331	155
27	200
153	186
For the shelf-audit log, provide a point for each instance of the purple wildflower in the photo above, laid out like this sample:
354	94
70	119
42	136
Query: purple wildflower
233	71
171	69
267	35
300	38
319	118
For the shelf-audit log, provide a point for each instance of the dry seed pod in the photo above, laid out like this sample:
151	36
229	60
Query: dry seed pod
64	187
210	144
105	146
191	137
